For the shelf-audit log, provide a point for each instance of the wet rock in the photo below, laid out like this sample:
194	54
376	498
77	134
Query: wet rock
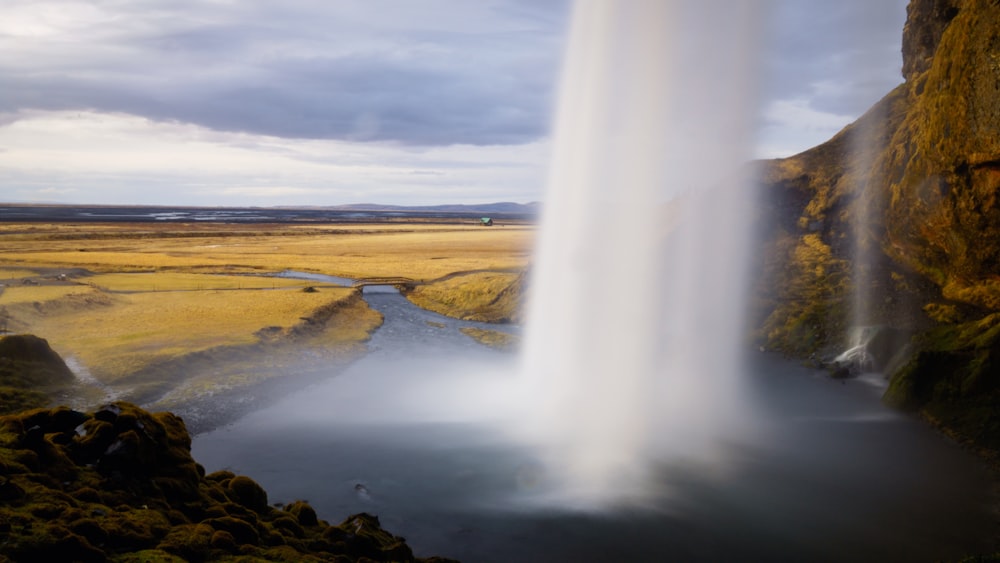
842	371
366	537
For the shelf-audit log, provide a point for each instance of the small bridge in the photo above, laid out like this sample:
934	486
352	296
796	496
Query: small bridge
400	283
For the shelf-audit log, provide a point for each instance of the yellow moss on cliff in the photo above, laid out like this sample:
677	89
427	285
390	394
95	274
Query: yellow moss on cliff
916	182
943	174
807	294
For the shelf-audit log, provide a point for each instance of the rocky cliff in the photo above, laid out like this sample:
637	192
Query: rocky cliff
896	222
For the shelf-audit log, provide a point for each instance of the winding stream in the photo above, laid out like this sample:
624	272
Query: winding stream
831	475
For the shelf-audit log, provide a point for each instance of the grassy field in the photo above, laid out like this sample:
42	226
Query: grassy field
421	252
12	274
181	281
477	296
122	334
167	314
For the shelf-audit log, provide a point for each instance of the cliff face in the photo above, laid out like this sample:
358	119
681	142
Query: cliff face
902	205
943	170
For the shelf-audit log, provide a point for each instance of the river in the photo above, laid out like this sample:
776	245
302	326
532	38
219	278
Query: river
831	476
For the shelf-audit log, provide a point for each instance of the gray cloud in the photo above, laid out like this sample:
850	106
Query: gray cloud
433	73
843	56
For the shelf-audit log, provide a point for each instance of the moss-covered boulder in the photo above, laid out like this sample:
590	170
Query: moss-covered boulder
29	370
119	484
954	379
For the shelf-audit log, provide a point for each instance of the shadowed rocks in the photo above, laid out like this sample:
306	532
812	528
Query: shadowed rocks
120	480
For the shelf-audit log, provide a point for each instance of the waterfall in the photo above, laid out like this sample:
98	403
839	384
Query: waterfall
862	181
637	291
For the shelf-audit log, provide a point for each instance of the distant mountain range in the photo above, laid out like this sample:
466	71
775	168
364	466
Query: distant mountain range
360	212
503	207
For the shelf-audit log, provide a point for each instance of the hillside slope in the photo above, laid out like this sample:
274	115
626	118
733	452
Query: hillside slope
29	370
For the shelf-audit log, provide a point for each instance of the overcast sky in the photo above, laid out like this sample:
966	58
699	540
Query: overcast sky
309	102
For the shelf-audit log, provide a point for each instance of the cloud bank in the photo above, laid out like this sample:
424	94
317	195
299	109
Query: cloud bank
423	73
254	102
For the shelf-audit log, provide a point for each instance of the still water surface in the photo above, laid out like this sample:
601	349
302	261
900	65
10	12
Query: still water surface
833	476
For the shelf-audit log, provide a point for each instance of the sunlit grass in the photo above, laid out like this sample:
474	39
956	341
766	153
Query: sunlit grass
140	329
419	252
7	274
20	294
180	281
484	296
492	338
169	312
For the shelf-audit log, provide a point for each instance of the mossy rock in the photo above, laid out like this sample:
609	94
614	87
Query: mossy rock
954	378
368	539
225	541
192	542
29	371
90	529
241	531
34	353
125	488
45	541
303	512
289	526
148	556
134	529
248	493
15	399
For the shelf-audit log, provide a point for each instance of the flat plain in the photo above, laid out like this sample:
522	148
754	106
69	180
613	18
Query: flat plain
171	315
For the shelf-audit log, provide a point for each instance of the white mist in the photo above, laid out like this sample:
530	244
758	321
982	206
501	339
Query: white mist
635	315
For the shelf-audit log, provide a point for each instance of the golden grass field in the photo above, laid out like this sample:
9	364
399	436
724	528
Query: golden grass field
420	251
478	296
164	313
116	335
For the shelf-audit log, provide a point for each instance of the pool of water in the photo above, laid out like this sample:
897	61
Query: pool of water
407	433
